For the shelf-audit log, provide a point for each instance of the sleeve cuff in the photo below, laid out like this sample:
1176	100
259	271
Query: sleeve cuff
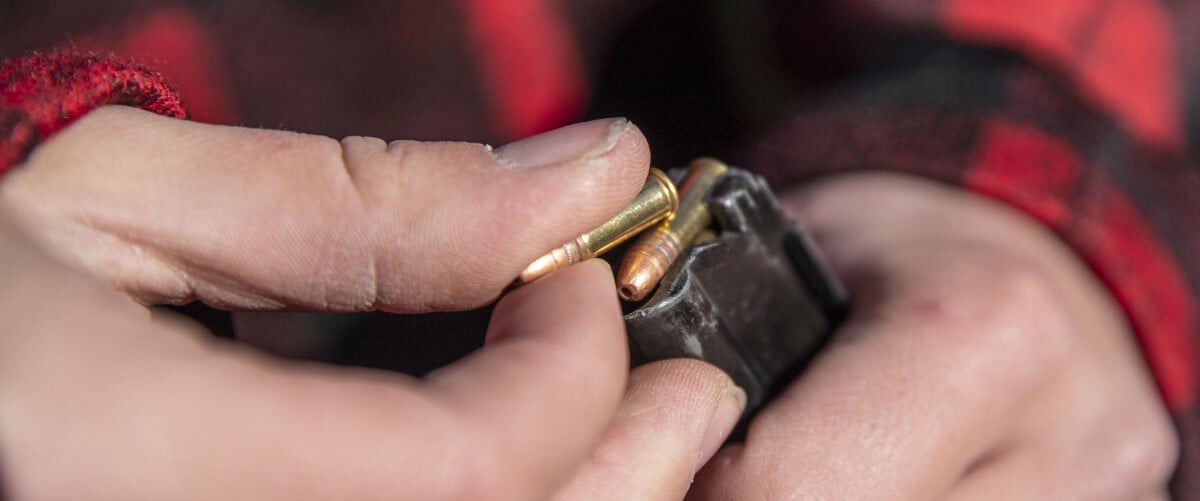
41	94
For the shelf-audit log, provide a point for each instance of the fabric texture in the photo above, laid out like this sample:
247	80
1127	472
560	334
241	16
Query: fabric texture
1075	112
42	93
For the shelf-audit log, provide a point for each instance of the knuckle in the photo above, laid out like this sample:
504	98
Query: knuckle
994	317
1030	312
356	142
1013	293
432	250
1144	456
361	159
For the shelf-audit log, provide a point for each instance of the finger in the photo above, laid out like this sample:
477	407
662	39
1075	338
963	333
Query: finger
674	416
552	372
1081	443
125	409
170	210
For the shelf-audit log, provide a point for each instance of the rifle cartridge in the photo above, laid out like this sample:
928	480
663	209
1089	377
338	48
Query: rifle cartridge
652	254
658	200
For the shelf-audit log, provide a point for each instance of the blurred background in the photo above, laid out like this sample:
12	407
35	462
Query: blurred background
790	88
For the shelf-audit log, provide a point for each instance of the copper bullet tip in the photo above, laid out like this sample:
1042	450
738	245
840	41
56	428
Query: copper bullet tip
646	263
649	258
568	254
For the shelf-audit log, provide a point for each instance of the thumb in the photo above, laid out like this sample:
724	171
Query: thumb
170	211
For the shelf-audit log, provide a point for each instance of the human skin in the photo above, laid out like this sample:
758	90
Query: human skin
982	361
980	350
98	400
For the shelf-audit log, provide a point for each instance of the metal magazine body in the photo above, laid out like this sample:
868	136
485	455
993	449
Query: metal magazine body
756	301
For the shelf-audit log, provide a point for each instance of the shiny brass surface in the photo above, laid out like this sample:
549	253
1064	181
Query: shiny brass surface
657	201
654	252
693	216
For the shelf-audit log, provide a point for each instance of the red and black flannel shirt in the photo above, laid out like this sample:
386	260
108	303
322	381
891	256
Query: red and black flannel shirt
1082	113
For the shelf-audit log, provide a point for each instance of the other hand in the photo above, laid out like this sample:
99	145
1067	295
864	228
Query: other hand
983	361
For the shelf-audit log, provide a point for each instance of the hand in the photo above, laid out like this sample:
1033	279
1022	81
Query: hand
99	401
982	361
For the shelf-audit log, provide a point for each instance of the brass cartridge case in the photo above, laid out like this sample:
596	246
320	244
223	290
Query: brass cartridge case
649	258
658	200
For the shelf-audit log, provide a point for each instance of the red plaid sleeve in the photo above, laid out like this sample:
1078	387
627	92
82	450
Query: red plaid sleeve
1072	111
41	94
